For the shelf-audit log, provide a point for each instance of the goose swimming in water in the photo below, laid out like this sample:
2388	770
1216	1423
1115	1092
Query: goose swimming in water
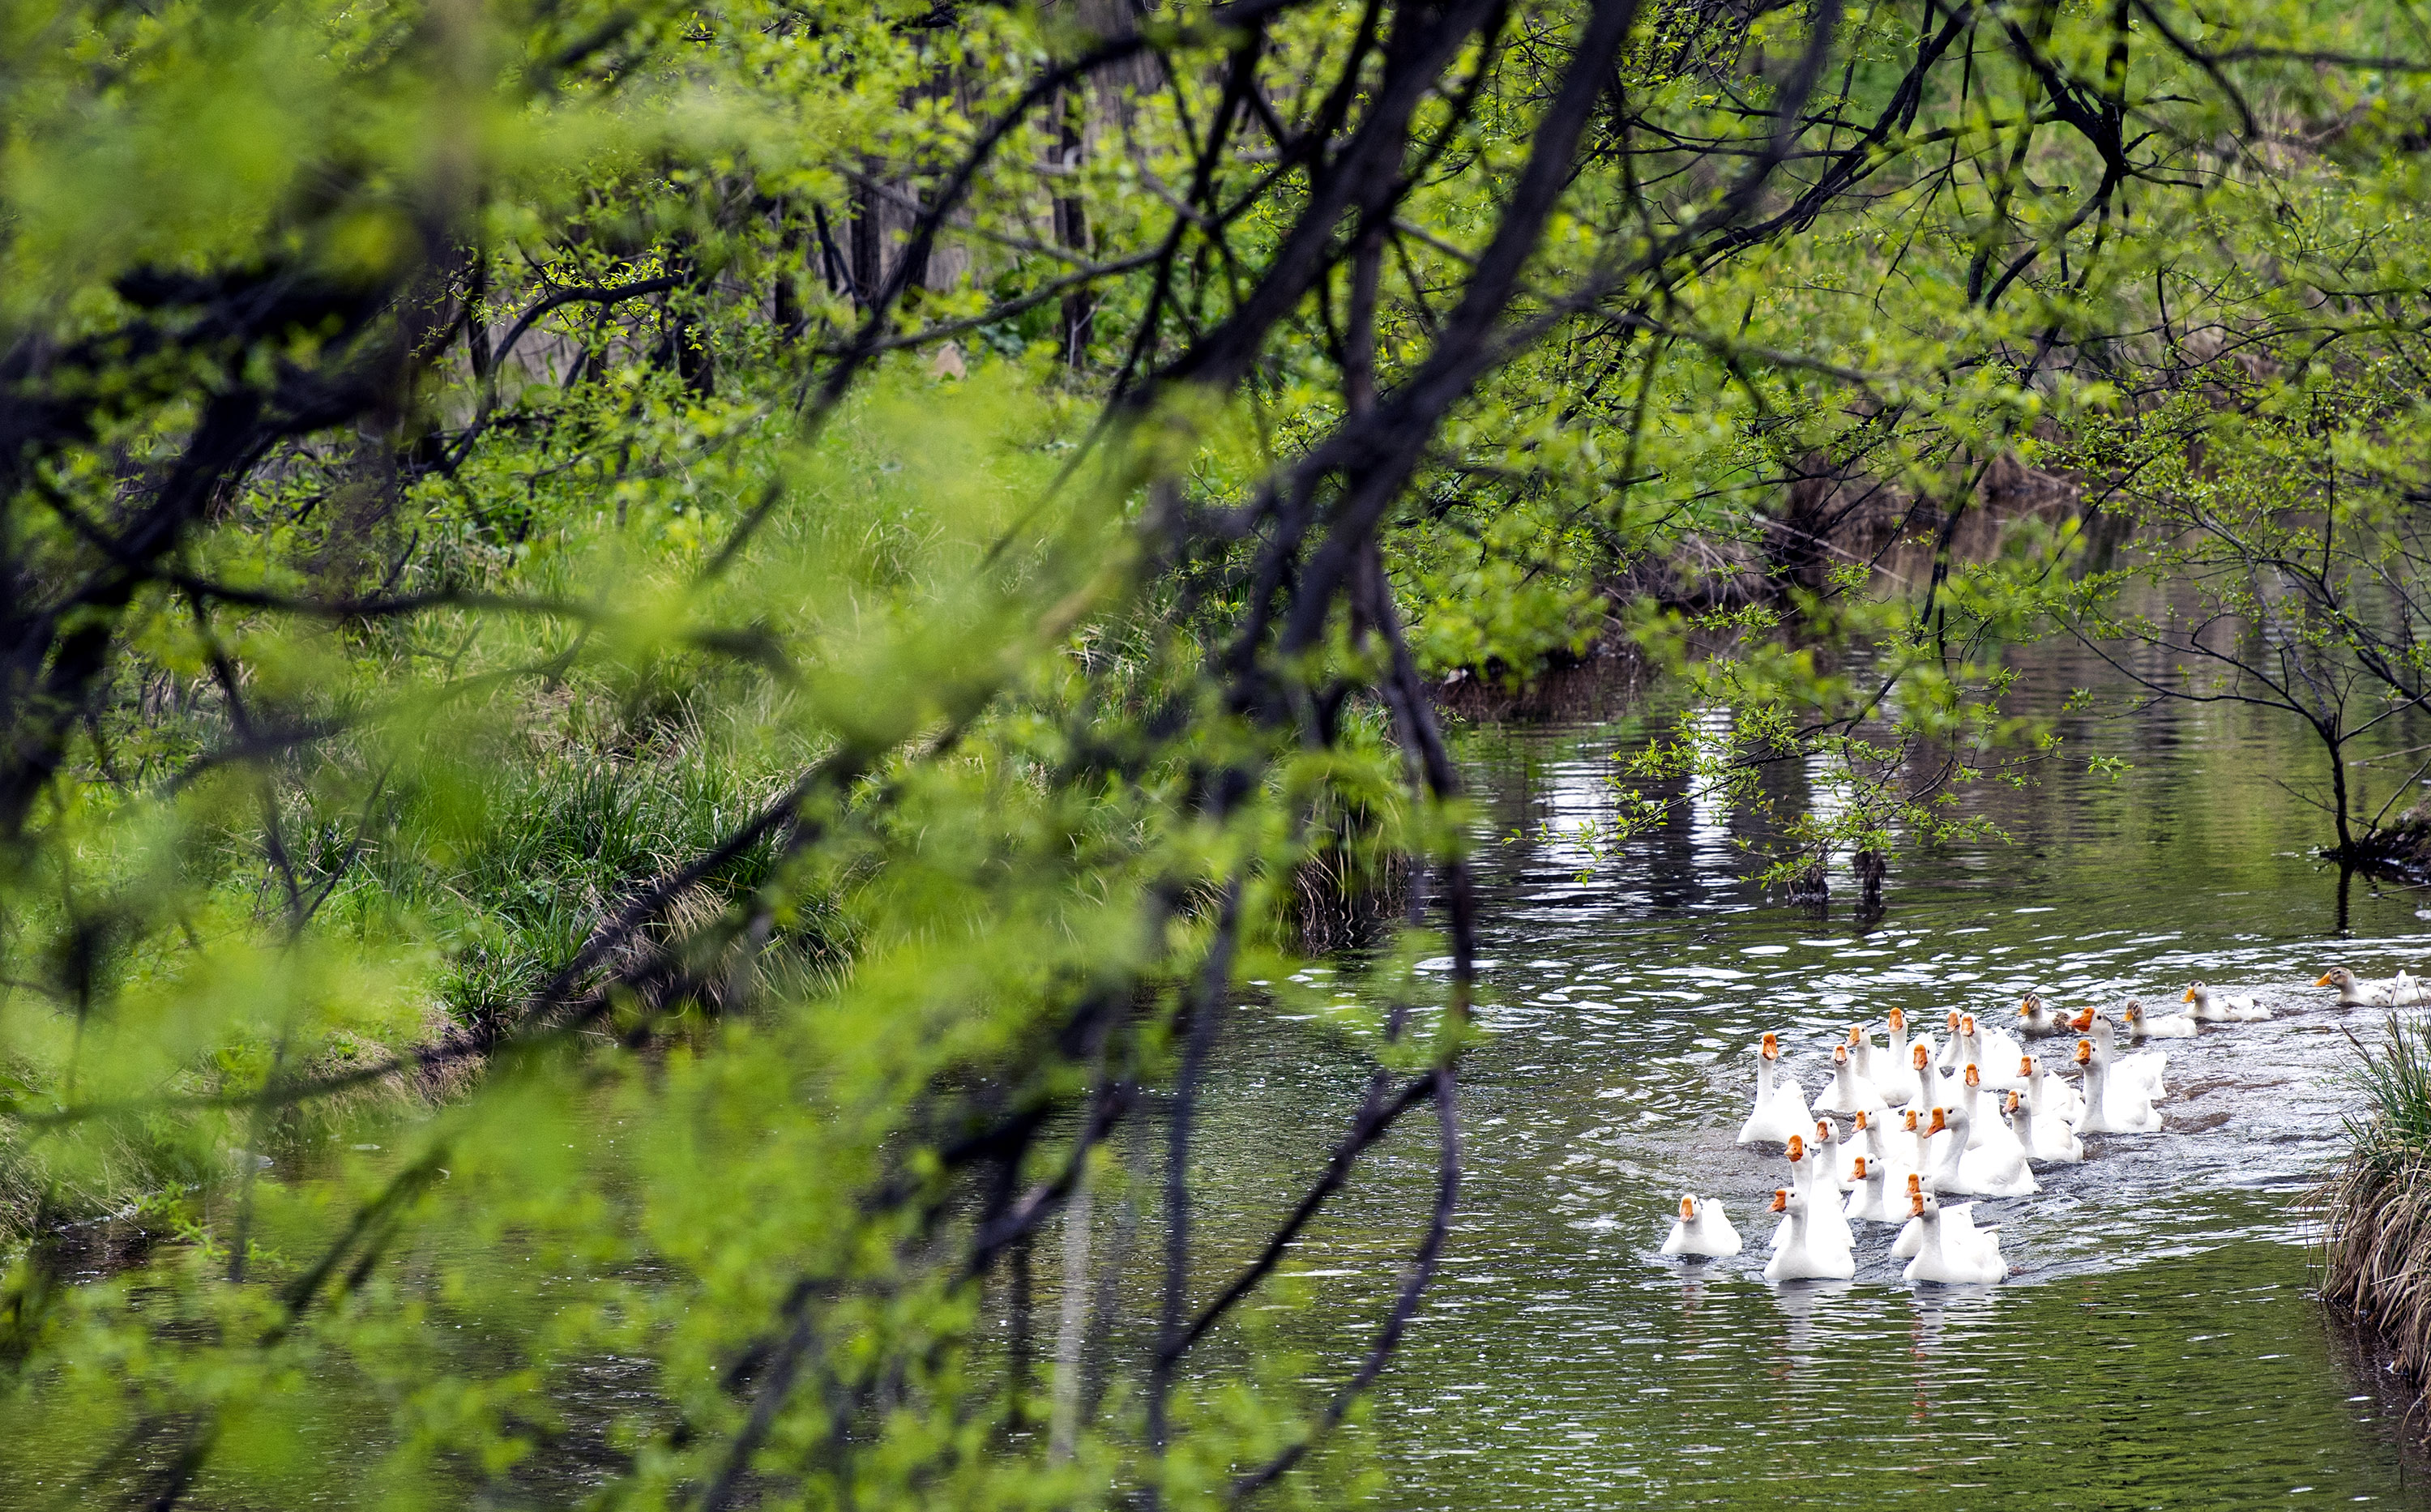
1780	1101
2212	1006
1849	1092
1871	1202
1948	1256
2052	1096
2399	991
2141	1025
1987	1171
2038	1022
1990	1049
1893	1076
2140	1072
1702	1230
1865	1142
1802	1254
2109	1107
2046	1139
1960	1215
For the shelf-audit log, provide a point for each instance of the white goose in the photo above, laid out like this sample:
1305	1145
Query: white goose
1702	1230
1804	1254
1987	1128
1865	1142
2212	1006
1830	1159
2140	1072
2109	1107
2142	1026
2399	991
1950	1256
1926	1087
2045	1138
1960	1215
1817	1173
1953	1054
1780	1101
1992	1050
1861	1056
2052	1096
1988	1171
1892	1070
1871	1202
1849	1091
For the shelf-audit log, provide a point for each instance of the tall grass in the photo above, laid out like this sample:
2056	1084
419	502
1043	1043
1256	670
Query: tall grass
2376	1207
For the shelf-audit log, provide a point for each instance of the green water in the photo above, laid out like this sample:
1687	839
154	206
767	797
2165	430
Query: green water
2157	1344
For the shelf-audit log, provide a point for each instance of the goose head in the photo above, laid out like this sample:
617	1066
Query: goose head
1839	1057
1861	1125
1898	1021
2085	1052
1785	1200
2027	1067
1967	1025
1974	1078
1920	1058
1858	1169
1856	1035
1910	1117
1824	1132
1942	1120
2082	1021
1924	1205
1797	1149
2339	977
1689	1207
1770	1049
1952	1017
2015	1106
2195	990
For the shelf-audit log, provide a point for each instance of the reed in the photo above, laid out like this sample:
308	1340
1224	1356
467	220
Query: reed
2375	1207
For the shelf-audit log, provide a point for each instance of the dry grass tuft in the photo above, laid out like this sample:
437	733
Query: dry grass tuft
2375	1208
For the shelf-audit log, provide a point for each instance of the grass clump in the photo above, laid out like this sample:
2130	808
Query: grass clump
2376	1207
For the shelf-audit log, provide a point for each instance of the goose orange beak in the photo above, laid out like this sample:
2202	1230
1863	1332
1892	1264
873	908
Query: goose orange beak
1839	1054
1967	1023
1915	1182
1780	1198
2025	1065
1858	1170
1689	1208
1861	1121
1918	1056
1939	1126
1915	1203
2084	1051
2189	996
2324	981
1897	1019
1973	1077
2082	1021
2013	1102
1797	1148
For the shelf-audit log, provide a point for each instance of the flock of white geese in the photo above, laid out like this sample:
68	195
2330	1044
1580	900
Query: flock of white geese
1970	1116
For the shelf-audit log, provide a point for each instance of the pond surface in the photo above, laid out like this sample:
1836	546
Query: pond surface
2157	1344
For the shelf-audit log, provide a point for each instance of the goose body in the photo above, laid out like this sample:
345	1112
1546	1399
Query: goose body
1865	1142
2110	1108
1830	1160
1987	1171
2053	1098
2400	991
2140	1072
2044	1138
1993	1052
1959	1216
1702	1230
2036	1022
2141	1025
1948	1257
1871	1203
1802	1254
1780	1109
2212	1006
1849	1091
